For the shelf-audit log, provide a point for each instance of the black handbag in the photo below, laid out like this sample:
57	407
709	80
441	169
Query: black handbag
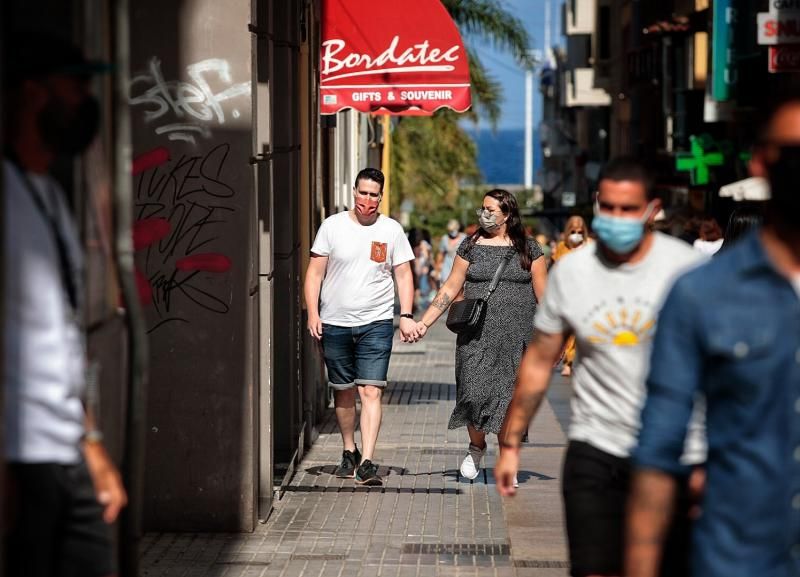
466	316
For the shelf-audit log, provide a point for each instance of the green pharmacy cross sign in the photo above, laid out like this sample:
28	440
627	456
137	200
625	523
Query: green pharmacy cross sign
704	154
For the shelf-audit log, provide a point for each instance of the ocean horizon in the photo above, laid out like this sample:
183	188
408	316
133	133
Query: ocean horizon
501	154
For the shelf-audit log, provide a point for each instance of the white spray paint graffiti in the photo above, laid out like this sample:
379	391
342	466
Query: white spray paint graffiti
194	105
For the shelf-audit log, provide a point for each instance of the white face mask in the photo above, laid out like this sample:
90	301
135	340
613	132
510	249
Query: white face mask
575	238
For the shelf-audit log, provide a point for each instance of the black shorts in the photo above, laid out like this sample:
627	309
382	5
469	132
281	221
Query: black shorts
596	487
55	524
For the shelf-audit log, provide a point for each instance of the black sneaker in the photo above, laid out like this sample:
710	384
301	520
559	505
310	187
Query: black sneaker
367	475
350	461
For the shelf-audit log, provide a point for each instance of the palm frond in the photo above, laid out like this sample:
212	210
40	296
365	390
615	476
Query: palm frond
487	93
490	20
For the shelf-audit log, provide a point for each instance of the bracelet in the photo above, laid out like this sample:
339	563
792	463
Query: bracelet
93	436
407	316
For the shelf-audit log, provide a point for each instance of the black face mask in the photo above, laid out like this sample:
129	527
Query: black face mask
69	132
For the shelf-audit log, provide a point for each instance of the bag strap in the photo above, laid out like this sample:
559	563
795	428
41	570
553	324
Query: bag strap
498	273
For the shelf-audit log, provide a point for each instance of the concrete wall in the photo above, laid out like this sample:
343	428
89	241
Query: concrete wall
191	111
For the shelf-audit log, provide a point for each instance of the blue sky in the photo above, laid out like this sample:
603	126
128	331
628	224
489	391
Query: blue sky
503	67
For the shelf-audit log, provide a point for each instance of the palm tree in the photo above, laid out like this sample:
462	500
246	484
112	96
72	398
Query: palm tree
432	155
489	20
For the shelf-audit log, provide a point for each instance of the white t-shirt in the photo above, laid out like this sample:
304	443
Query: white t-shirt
358	288
44	352
612	311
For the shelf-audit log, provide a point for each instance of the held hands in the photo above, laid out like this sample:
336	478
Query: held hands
408	331
505	470
412	331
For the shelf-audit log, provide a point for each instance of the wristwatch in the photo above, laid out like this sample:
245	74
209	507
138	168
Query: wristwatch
407	316
93	436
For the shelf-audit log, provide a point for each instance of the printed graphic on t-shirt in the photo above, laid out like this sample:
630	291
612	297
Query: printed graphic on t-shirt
623	324
379	250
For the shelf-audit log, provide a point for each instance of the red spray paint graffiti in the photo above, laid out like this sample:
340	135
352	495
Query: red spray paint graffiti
179	208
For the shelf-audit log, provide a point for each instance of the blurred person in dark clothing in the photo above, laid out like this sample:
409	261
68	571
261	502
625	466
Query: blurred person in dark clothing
730	331
742	220
62	488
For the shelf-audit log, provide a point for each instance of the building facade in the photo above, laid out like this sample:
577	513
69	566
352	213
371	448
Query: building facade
684	82
198	206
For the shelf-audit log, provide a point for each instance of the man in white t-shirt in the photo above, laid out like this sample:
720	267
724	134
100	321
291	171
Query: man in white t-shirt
356	258
608	296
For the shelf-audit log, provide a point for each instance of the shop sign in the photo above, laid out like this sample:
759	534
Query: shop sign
723	47
778	28
380	56
784	58
776	6
702	156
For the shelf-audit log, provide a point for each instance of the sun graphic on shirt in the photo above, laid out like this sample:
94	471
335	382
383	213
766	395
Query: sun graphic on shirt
622	329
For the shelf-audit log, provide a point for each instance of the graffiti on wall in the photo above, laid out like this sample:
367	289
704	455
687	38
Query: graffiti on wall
183	110
181	212
184	201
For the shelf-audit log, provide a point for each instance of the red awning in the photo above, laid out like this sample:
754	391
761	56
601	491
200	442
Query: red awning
390	56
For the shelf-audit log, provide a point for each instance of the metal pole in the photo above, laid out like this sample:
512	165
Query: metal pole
386	163
547	26
133	447
528	129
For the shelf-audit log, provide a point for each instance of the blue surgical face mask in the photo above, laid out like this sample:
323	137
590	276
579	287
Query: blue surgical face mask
620	235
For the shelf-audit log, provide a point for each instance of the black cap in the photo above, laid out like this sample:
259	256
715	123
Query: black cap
36	54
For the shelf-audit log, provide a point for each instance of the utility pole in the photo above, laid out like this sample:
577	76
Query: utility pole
547	27
529	95
529	129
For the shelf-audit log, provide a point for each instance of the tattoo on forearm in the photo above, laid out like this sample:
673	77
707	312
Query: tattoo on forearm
523	410
442	301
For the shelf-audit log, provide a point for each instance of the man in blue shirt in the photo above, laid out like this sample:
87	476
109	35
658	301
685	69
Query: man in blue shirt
730	331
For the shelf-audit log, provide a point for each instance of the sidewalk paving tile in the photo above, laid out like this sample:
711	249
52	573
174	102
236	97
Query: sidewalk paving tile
425	521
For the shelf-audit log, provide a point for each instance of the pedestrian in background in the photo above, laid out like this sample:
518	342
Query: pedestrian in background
544	242
487	360
447	250
62	490
576	235
709	239
731	332
423	261
607	295
742	220
349	294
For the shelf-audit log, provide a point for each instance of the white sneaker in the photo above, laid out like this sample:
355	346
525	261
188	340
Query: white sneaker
516	482
471	465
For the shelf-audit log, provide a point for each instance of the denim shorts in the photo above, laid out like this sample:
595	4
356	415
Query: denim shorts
358	355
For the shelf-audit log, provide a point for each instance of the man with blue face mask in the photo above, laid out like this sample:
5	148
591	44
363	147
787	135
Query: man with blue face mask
608	295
